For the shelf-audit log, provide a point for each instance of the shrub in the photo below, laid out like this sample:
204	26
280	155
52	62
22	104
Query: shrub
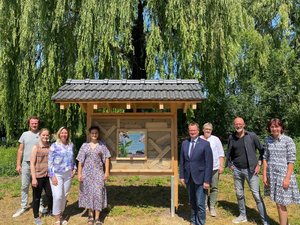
8	157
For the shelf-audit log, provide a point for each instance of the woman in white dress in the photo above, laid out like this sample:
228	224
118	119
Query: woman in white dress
278	167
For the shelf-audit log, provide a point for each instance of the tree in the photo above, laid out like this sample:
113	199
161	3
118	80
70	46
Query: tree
245	54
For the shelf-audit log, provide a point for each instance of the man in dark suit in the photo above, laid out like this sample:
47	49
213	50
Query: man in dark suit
196	165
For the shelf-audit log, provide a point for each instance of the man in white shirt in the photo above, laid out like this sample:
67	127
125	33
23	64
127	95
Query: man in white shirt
218	165
26	142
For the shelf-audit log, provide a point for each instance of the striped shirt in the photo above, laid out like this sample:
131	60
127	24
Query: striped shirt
41	163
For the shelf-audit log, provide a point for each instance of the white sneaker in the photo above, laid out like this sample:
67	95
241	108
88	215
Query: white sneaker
240	219
38	221
43	210
213	212
19	212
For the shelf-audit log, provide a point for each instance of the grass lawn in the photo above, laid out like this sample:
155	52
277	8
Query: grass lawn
141	200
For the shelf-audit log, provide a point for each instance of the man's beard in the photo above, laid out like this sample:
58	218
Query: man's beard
239	130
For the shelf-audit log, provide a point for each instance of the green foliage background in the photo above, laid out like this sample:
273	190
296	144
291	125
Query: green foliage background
245	53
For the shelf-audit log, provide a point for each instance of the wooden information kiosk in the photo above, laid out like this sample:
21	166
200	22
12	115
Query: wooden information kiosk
138	121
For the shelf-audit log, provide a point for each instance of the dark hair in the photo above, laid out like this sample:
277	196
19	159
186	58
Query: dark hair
32	118
276	122
94	128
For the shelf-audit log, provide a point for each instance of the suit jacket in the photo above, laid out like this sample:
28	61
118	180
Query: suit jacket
200	166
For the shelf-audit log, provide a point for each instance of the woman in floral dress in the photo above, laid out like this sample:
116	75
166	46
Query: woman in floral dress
93	171
278	166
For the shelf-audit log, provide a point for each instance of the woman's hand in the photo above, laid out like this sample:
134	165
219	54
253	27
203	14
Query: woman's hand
106	175
73	173
79	177
265	180
286	183
34	182
54	181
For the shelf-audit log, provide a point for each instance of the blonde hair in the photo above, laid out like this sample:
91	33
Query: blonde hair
59	132
42	130
207	125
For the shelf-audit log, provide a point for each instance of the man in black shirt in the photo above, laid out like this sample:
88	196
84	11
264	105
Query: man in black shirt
242	160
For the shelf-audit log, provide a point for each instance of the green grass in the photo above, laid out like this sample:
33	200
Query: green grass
143	200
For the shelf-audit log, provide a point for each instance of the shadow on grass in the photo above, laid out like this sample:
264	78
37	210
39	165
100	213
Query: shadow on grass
252	214
136	196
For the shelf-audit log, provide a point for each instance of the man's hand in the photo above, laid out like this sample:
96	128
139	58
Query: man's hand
205	185
257	169
19	169
182	182
221	169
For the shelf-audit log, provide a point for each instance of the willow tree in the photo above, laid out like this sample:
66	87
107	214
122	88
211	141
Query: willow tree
267	83
43	43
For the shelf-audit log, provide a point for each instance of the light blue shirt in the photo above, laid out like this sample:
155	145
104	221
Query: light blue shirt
61	158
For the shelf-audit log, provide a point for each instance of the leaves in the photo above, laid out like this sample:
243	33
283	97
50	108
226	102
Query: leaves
245	53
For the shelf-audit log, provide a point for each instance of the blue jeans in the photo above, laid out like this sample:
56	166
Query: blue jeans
253	181
197	201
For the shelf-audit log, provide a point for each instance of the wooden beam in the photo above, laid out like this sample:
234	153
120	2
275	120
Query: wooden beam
185	107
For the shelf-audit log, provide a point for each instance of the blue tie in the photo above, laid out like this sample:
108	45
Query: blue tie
192	148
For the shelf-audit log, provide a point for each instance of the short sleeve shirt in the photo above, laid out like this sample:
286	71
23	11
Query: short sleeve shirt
28	139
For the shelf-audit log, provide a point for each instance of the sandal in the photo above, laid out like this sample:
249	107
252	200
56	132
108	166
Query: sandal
90	220
98	222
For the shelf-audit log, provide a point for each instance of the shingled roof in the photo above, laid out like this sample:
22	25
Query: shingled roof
128	90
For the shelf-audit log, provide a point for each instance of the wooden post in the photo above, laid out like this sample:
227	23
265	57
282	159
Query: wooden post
89	111
175	153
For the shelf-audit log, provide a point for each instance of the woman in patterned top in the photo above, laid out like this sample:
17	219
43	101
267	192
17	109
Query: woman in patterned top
93	158
61	169
278	166
39	174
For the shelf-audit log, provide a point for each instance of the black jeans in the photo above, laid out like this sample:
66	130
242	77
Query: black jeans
43	183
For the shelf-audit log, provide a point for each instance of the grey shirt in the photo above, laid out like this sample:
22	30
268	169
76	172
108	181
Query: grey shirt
28	139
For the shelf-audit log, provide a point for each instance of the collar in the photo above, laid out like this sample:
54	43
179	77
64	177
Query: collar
43	146
279	138
195	140
245	131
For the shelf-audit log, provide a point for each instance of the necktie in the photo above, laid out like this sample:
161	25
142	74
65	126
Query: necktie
192	148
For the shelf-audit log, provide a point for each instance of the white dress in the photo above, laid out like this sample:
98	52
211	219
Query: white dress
278	153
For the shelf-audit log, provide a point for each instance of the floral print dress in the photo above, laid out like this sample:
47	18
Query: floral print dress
278	153
92	193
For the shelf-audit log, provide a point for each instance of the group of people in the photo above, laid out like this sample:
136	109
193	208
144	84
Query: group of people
202	161
51	167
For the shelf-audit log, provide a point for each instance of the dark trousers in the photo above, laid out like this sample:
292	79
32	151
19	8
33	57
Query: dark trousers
197	196
43	183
